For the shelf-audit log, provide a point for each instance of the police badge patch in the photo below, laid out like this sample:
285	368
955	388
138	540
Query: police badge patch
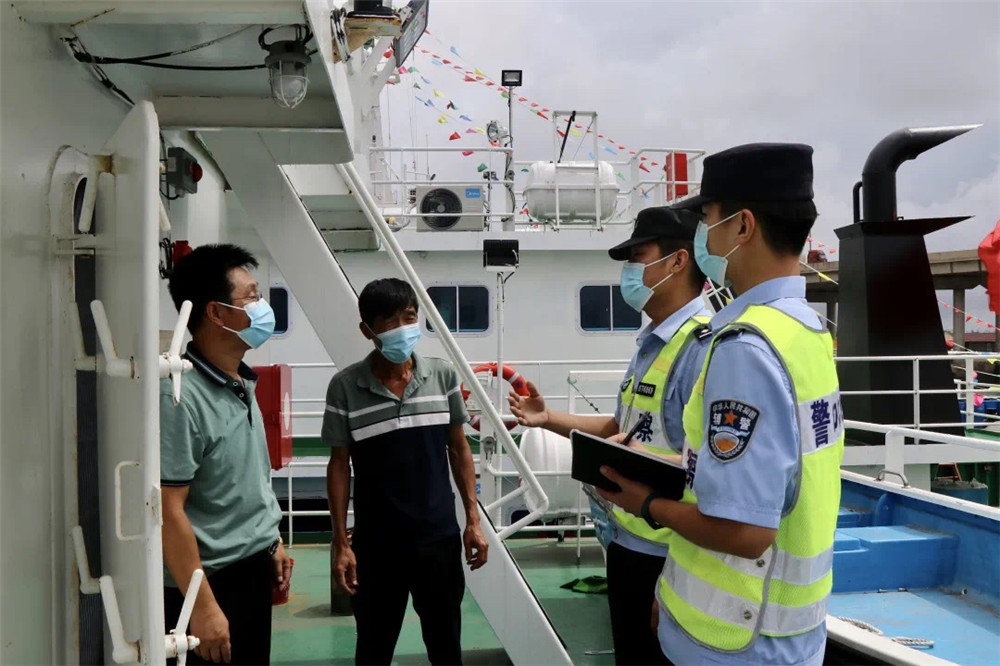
730	427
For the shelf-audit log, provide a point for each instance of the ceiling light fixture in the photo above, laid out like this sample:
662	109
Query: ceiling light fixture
286	67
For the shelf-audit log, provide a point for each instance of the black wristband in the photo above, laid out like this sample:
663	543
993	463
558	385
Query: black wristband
645	511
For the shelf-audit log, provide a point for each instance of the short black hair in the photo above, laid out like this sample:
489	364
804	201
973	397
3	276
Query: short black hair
670	245
785	224
203	277
384	298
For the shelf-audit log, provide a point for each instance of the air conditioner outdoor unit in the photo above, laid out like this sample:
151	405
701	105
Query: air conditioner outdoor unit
454	208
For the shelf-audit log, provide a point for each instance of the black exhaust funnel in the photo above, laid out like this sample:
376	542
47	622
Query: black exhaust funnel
887	301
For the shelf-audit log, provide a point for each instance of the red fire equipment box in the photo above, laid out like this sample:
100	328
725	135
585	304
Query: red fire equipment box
274	395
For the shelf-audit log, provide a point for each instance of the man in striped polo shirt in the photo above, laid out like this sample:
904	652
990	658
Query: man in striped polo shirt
398	418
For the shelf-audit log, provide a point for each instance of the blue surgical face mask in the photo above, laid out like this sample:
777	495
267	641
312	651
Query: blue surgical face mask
398	343
713	266
634	290
261	326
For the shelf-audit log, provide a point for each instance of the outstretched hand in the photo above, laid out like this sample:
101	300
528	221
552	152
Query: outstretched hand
530	410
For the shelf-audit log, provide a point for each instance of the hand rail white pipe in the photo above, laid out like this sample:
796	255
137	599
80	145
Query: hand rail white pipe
435	149
971	442
379	225
475	363
928	357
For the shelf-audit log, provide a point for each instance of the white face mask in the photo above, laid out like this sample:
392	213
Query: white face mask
634	289
713	266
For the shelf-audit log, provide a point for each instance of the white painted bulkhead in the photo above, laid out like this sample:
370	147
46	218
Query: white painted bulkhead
51	103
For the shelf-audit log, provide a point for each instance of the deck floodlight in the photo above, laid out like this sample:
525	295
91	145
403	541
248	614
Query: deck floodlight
510	78
495	131
286	67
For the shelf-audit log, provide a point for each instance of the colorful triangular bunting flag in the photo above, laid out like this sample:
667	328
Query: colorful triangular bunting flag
454	50
442	120
454	136
482	167
438	93
466	153
465	118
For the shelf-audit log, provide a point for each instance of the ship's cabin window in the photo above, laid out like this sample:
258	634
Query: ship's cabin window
464	308
278	298
602	309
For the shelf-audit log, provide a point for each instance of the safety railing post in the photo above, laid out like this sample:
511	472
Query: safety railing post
970	403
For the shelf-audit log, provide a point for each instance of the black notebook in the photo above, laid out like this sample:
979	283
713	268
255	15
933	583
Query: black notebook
590	453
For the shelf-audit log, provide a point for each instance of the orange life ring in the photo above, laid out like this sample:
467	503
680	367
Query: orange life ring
511	376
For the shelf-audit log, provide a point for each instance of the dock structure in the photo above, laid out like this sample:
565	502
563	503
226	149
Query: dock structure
955	271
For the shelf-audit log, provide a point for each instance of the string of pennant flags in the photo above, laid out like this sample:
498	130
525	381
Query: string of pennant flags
476	75
472	74
968	317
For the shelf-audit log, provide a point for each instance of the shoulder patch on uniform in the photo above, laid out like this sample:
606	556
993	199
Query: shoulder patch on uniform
730	428
703	331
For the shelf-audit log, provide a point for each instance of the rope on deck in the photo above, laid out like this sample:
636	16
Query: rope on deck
922	643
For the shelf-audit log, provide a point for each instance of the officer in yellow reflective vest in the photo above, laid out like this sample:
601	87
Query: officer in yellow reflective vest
749	571
661	279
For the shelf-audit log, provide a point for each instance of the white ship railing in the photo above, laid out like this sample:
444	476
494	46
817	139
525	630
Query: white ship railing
892	455
392	179
395	189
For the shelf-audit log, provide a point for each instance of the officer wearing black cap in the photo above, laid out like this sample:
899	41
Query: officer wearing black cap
748	574
660	278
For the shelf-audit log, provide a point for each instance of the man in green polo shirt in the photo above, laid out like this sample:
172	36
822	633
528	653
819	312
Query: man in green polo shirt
398	418
219	512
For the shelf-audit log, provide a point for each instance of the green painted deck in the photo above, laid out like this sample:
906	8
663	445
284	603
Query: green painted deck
305	632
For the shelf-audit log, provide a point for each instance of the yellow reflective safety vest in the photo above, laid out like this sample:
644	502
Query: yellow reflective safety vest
723	601
644	399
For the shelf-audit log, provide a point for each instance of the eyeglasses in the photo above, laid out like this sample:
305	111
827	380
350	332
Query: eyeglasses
255	298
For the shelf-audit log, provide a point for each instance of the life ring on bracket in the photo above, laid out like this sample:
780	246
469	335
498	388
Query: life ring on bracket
511	376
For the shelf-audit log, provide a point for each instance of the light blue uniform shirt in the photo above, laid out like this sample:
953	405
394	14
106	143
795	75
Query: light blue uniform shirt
680	382
757	486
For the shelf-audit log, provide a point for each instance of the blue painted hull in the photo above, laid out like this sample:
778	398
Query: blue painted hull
917	568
